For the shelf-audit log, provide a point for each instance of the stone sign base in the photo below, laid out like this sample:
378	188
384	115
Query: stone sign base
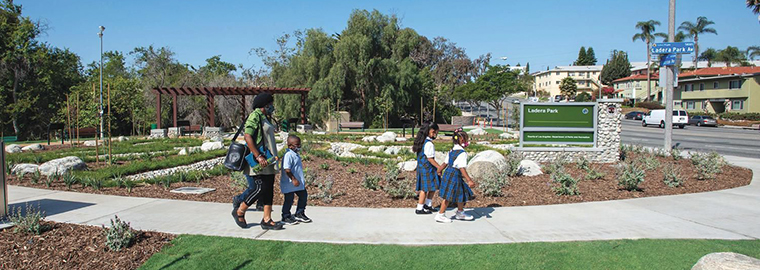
175	132
212	132
157	133
570	154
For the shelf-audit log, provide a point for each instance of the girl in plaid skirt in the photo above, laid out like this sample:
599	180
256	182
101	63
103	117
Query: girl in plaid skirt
455	182
427	168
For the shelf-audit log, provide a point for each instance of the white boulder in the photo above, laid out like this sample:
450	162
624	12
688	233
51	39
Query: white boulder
442	157
377	149
529	168
386	137
183	152
483	143
33	147
319	133
392	150
62	166
211	146
89	143
122	139
341	149
13	148
509	135
485	163
477	132
22	169
369	139
401	139
726	260
408	166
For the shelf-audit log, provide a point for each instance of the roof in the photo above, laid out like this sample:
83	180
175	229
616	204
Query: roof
638	77
572	68
229	90
720	71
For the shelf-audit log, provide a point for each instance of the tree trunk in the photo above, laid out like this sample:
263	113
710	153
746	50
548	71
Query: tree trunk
649	83
15	101
696	51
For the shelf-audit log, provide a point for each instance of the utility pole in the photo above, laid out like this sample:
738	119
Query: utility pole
100	35
669	81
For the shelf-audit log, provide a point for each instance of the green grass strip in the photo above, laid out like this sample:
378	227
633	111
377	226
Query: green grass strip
207	252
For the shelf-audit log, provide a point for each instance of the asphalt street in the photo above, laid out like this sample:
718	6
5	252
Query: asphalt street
727	141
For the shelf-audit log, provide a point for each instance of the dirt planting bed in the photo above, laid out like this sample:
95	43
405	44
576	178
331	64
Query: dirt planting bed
70	246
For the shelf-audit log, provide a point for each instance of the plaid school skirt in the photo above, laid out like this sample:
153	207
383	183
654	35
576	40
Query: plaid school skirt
453	187
427	175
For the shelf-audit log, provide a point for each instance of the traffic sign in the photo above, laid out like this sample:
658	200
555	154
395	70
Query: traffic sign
672	47
668	60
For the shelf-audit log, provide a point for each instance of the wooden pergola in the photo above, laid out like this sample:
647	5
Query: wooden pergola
211	92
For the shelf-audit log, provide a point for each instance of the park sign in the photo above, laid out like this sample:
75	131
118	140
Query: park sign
558	123
672	48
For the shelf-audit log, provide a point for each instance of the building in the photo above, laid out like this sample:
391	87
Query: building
587	78
719	89
636	85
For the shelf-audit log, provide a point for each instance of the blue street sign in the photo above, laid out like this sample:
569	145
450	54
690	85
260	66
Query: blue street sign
672	47
668	60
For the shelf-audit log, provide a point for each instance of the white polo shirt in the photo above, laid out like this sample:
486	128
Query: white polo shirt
461	161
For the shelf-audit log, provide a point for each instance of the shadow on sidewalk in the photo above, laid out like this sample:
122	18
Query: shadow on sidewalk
484	212
49	206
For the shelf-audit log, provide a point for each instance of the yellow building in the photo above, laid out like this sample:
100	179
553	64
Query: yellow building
718	90
587	78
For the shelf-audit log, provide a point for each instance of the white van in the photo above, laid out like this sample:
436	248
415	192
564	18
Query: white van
657	117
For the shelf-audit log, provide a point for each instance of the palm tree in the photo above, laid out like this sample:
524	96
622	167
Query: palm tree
694	29
752	52
647	35
731	55
708	55
679	37
754	5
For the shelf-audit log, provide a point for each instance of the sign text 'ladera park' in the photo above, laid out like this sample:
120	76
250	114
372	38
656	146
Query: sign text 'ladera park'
541	110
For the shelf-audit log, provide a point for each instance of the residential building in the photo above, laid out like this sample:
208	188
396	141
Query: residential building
587	78
636	85
719	89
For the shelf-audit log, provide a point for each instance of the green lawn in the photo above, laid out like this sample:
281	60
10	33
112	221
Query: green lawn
206	252
495	131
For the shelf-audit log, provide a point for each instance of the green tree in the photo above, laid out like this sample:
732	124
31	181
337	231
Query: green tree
752	52
646	35
709	55
693	30
754	5
617	67
590	57
568	87
731	55
581	61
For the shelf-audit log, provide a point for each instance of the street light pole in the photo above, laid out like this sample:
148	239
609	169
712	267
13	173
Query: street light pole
100	35
669	81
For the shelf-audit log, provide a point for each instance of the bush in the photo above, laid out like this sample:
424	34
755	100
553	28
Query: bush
513	163
557	165
310	178
740	116
647	161
675	153
395	187
492	183
672	176
707	165
352	170
583	97
120	235
28	222
566	184
583	164
69	180
326	192
651	105
36	177
325	166
630	176
371	181
593	174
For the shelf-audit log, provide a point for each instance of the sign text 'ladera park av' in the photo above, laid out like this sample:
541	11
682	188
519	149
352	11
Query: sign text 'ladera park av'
558	123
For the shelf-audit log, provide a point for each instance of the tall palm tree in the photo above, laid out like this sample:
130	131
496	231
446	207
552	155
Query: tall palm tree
731	55
647	35
752	52
694	29
708	55
754	5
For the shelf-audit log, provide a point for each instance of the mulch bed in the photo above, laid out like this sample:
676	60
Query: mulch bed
70	246
521	190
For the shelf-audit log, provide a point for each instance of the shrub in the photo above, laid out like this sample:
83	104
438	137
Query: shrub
513	163
675	153
565	184
583	164
557	165
371	181
29	221
740	116
129	185
165	182
672	176
36	177
707	165
630	176
648	162
96	183
493	182
120	235
310	178
352	170
69	180
239	180
593	174
326	192
583	97
400	188
324	166
49	180
651	105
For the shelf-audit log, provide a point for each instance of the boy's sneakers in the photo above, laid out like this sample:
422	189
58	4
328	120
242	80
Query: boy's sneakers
301	217
423	211
289	220
429	208
463	216
441	218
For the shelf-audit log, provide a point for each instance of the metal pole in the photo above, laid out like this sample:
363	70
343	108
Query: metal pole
102	132
3	185
669	81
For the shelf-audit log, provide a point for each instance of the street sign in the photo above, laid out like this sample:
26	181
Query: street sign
558	123
668	60
672	47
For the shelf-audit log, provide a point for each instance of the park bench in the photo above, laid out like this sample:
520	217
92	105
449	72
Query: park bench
447	129
87	132
194	129
352	125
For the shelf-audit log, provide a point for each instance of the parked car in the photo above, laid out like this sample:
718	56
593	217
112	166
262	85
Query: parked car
657	117
703	121
634	115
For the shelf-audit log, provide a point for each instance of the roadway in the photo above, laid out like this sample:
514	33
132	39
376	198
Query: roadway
727	141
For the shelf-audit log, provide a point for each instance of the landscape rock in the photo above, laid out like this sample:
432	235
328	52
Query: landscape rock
509	135
211	146
392	150
198	166
189	150
22	169
13	148
122	139
529	168
33	147
477	132
483	143
89	143
62	165
401	139
386	137
726	260
217	139
319	133
408	166
485	163
369	139
442	157
341	149
282	136
377	149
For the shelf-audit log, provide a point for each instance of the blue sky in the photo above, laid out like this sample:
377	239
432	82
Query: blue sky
544	33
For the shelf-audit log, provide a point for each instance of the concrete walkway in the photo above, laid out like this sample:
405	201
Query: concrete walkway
726	214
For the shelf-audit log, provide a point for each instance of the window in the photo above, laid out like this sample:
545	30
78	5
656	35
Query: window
737	105
736	84
690	105
677	103
688	87
558	73
716	85
571	74
701	87
557	82
580	73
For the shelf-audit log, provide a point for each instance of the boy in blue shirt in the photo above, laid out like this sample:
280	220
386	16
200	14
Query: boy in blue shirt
291	183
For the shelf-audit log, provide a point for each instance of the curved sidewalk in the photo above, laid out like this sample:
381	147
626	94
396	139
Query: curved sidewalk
725	214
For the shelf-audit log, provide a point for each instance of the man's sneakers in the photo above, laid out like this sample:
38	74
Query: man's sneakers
301	217
289	220
463	216
441	218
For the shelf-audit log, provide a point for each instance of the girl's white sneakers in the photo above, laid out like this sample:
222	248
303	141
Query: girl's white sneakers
441	218
463	216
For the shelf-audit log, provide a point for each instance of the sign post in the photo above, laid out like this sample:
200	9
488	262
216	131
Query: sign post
558	123
3	183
